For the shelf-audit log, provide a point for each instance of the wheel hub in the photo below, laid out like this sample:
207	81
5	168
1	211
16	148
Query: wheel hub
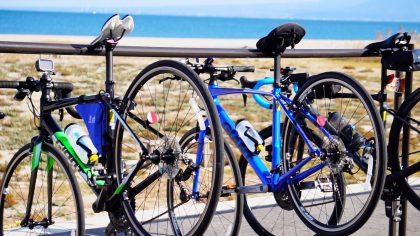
169	157
336	153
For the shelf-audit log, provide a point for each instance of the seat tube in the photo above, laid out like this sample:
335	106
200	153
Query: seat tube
109	88
109	83
277	66
276	132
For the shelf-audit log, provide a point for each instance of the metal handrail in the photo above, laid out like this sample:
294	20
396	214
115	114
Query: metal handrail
140	51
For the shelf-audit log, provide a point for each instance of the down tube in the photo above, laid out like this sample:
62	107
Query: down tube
254	160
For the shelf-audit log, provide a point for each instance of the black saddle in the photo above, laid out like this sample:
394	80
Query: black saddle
395	41
281	37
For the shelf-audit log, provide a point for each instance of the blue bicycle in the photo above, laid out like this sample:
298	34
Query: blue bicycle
327	157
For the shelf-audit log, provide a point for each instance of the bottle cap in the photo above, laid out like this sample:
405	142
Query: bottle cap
93	158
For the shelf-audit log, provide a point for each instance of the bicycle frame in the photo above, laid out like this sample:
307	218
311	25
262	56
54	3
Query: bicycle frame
273	178
50	128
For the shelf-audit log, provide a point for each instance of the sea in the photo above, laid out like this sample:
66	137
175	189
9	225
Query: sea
89	24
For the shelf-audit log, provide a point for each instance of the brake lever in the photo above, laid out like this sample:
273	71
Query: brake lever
245	98
244	95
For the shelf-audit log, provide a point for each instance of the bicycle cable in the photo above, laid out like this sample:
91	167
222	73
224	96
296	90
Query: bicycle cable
32	109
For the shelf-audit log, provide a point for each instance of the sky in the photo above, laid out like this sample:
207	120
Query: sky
365	10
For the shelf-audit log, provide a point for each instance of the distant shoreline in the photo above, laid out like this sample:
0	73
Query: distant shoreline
185	42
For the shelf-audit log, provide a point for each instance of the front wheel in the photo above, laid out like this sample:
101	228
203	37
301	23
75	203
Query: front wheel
342	188
407	118
176	193
50	205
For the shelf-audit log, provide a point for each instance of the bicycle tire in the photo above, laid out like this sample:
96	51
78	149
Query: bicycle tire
264	211
228	217
372	149
61	208
394	146
167	75
282	206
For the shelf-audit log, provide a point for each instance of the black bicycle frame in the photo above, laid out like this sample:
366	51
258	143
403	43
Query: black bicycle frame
49	128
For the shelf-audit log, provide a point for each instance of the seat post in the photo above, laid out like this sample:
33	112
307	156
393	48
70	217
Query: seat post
109	79
277	66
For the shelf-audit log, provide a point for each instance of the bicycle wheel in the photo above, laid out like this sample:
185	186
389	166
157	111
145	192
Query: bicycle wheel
269	213
338	197
163	103
228	215
409	112
63	213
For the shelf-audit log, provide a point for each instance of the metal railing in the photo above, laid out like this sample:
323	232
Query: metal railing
137	51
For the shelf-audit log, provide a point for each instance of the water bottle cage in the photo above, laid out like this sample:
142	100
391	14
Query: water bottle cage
89	152
257	146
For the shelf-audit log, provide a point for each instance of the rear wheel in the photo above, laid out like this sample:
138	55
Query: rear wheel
269	213
339	196
62	213
177	192
228	216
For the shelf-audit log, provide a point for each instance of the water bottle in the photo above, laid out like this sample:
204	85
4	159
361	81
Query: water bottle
249	136
81	143
346	131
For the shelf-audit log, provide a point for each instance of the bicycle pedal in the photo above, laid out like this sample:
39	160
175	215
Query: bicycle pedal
103	180
324	183
227	190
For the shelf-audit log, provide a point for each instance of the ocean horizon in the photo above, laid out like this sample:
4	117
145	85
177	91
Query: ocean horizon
89	24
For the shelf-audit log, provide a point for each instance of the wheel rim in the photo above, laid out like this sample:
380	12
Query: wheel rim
356	205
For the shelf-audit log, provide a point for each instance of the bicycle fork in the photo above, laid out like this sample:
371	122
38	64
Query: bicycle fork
36	156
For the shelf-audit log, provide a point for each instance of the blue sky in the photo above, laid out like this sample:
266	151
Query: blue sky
377	10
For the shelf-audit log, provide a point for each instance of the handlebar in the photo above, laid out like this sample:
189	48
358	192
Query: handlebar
33	85
242	68
298	79
62	89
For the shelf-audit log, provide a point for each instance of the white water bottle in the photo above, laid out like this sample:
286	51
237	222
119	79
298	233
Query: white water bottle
249	136
81	143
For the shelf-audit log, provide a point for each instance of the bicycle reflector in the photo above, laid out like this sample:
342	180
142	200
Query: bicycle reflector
391	78
321	121
152	117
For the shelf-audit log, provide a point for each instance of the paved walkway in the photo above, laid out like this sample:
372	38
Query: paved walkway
377	224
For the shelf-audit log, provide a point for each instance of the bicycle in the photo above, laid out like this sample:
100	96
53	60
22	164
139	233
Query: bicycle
403	149
145	178
320	186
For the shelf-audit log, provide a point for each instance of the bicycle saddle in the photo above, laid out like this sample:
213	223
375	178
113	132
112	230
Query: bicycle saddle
281	37
395	41
115	28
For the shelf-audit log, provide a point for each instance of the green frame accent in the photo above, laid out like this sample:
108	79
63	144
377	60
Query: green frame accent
50	164
119	189
36	155
66	143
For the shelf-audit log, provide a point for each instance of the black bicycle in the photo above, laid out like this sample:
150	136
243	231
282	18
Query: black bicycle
140	166
404	138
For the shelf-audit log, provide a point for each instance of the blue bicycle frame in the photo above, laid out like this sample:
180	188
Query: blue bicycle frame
273	179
